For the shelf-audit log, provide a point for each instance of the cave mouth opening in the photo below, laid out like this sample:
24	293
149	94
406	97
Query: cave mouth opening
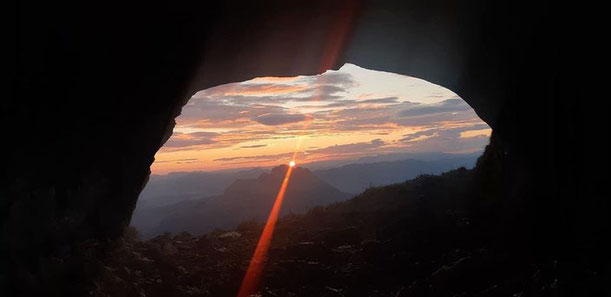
278	171
350	129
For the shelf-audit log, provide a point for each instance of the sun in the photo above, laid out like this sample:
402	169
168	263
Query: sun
292	163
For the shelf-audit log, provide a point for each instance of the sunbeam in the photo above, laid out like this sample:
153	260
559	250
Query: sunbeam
253	273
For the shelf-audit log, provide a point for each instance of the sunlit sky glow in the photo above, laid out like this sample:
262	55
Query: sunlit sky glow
338	115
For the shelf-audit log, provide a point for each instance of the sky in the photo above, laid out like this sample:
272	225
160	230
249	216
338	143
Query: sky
338	115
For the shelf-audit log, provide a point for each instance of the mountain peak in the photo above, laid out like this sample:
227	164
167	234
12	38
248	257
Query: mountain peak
253	199
282	169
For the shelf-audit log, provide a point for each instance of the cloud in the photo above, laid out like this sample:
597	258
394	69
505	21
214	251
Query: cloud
257	157
177	160
217	110
179	140
244	100
273	119
307	88
251	89
337	105
203	134
335	78
381	100
362	123
441	131
449	105
349	148
416	135
326	90
253	146
317	98
342	103
276	79
435	119
446	140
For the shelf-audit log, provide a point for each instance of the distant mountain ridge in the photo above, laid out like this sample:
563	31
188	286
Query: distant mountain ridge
244	199
351	177
355	178
201	201
180	186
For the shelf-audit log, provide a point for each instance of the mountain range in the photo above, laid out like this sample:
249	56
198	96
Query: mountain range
177	187
198	202
244	199
355	178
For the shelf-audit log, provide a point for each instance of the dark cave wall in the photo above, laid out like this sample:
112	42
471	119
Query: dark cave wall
526	70
94	91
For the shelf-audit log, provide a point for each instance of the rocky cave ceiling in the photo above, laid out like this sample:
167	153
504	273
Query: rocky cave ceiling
97	89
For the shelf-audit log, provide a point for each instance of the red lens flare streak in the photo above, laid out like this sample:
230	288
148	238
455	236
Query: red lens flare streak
335	43
253	273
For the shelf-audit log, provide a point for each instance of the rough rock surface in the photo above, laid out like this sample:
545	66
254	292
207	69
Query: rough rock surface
417	238
94	91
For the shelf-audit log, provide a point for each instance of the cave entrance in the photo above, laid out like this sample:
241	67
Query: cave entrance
346	130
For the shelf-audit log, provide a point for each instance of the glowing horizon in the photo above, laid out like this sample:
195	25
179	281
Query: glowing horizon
339	115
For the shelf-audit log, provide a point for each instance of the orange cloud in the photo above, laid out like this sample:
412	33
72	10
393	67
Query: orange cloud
266	90
257	123
276	79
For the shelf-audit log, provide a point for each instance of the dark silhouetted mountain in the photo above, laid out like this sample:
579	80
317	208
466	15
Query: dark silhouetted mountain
355	178
352	178
436	233
244	199
180	186
169	196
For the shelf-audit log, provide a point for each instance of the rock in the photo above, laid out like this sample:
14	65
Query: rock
145	259
345	249
182	270
183	236
98	184
449	274
190	290
167	248
337	292
339	237
231	234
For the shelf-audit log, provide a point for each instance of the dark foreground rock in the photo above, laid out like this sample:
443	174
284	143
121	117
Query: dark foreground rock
94	90
418	238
